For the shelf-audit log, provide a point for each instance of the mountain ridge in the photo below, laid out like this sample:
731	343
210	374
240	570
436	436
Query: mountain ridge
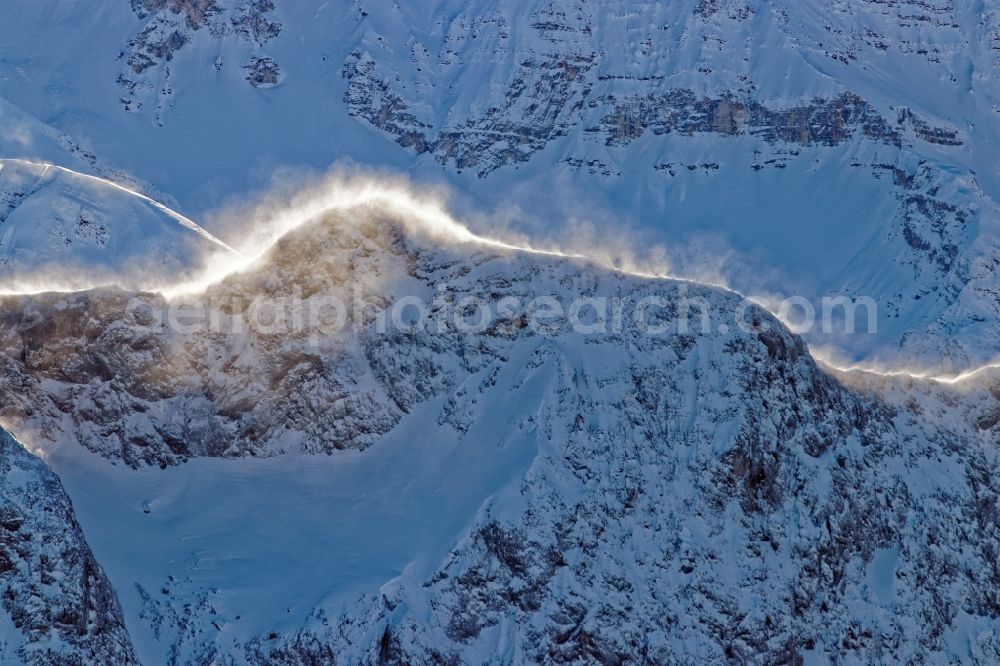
740	429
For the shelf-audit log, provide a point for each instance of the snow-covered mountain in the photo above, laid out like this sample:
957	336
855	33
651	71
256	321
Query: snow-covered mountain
521	493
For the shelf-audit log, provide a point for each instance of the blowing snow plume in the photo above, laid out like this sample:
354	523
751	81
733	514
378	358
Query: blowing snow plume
156	264
422	209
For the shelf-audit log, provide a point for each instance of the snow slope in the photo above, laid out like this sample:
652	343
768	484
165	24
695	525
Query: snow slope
66	222
241	546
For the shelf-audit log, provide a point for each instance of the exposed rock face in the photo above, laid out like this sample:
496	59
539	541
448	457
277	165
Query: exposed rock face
173	24
251	22
167	31
697	493
542	103
55	593
561	91
823	122
567	76
262	72
199	395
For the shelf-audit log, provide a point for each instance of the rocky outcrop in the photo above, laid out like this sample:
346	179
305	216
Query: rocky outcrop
53	590
262	72
252	22
567	80
170	25
563	93
543	102
160	39
136	390
821	122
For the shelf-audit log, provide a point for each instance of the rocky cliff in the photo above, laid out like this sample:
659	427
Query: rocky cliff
59	605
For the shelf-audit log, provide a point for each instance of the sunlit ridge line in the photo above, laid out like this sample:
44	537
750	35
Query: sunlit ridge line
179	217
433	216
